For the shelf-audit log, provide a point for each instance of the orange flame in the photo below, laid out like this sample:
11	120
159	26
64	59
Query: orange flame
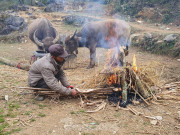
134	63
112	79
111	36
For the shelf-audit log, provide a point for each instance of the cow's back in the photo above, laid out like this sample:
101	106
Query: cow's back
101	31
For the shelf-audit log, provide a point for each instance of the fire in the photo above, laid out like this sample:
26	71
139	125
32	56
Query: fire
112	54
134	63
112	79
111	37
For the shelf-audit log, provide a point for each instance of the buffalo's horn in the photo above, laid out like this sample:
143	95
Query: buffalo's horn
57	36
36	39
74	33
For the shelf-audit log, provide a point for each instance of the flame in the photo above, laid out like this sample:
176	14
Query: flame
134	63
112	79
112	54
111	36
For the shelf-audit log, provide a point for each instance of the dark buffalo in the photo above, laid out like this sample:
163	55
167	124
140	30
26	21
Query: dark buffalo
105	34
43	34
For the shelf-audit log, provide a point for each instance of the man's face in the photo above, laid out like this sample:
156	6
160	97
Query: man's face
59	59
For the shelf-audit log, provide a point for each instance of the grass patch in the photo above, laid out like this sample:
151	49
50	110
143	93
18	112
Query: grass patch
2	118
28	112
1	111
81	111
15	130
146	123
3	86
78	112
3	126
117	115
32	120
72	112
41	114
41	106
11	114
13	106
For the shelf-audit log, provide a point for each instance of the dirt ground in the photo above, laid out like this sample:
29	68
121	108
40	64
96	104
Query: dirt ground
25	116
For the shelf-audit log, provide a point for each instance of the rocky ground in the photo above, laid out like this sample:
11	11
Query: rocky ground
21	114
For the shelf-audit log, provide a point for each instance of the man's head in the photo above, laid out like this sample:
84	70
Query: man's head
57	52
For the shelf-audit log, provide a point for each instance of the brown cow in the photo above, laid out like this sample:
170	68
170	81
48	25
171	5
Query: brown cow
105	34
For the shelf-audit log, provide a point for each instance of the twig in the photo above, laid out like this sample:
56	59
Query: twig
140	96
30	88
98	108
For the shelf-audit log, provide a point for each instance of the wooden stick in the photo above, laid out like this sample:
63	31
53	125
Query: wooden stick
31	88
140	96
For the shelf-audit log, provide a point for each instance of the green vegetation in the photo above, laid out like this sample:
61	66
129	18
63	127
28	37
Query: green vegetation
117	115
5	4
32	120
2	118
28	112
167	8
41	114
162	48
41	106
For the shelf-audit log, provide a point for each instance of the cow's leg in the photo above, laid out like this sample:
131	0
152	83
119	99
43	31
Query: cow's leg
92	56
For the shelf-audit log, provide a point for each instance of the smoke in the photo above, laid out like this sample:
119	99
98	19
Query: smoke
107	35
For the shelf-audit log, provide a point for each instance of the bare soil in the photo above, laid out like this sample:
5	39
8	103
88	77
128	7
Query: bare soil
65	116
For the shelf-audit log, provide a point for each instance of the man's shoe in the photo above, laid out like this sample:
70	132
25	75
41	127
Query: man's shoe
39	98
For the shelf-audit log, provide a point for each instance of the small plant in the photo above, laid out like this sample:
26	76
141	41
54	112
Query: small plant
81	111
1	111
32	120
146	123
72	112
11	114
3	126
42	106
28	112
2	118
117	115
41	114
13	105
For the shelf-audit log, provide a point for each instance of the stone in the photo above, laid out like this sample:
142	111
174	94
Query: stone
12	23
54	7
170	37
154	122
39	4
148	35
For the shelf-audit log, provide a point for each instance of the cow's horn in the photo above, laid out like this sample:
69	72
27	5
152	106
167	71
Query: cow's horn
57	36
36	39
74	33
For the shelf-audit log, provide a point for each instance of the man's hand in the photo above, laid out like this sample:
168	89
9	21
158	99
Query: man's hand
74	92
